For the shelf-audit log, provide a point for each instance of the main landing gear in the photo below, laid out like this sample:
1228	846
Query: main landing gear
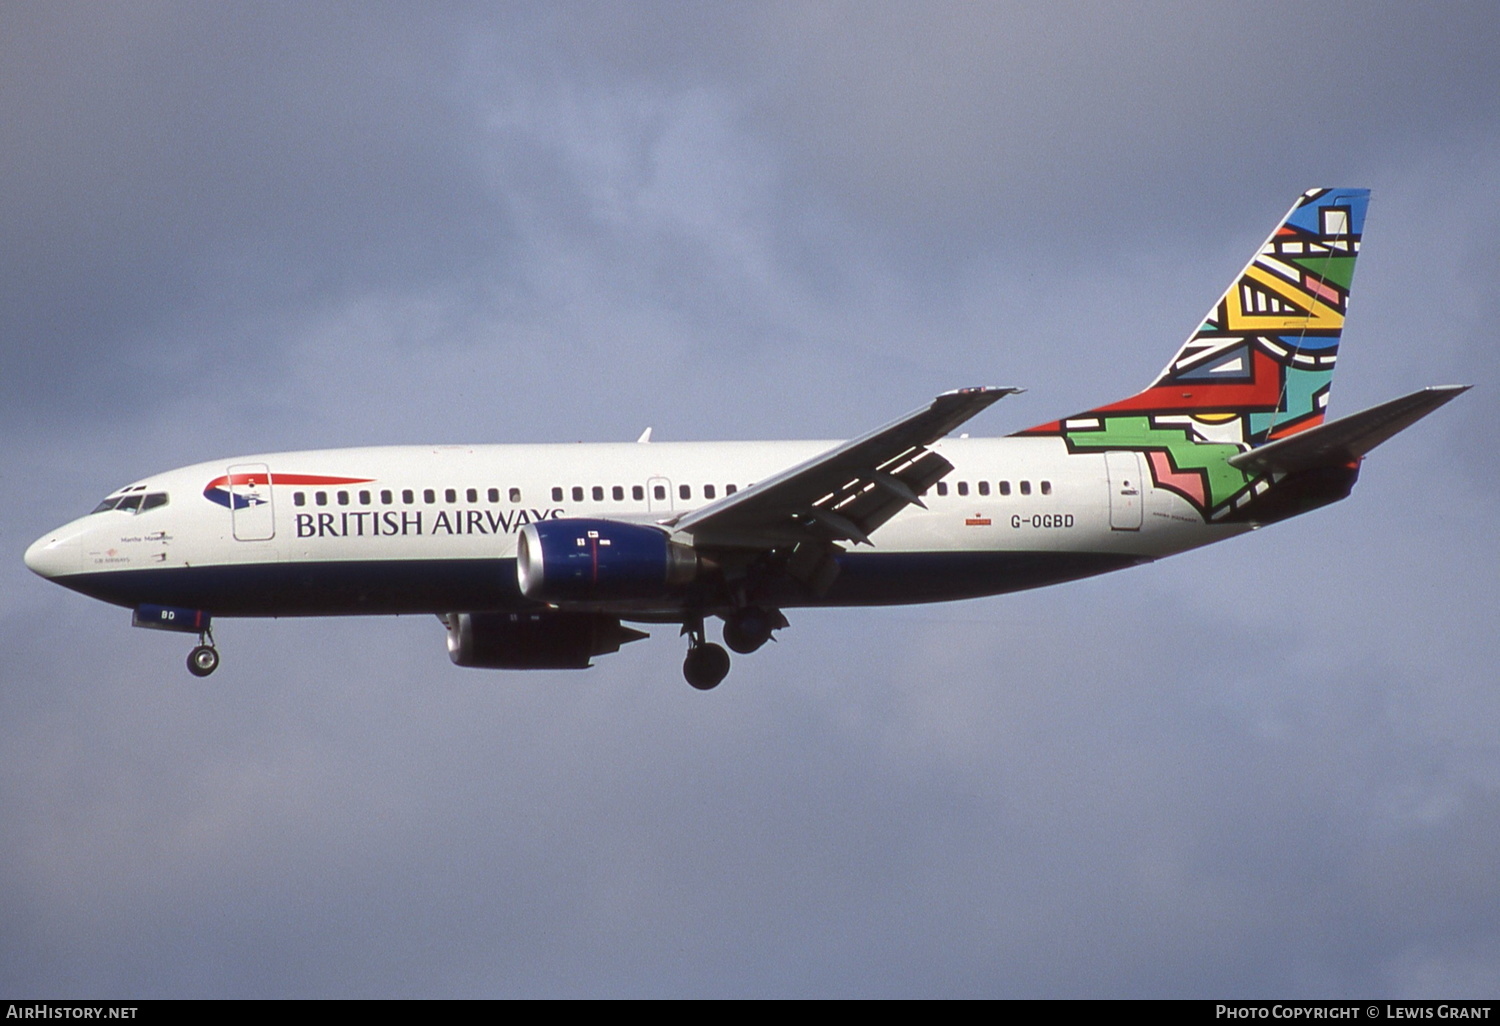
706	664
204	659
749	628
746	630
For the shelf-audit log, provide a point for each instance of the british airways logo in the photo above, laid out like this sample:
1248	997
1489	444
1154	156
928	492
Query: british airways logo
378	523
241	491
248	489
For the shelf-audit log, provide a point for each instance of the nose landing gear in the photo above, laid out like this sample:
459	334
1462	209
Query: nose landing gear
204	659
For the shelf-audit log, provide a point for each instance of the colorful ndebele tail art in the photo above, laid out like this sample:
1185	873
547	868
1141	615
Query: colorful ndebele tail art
1258	369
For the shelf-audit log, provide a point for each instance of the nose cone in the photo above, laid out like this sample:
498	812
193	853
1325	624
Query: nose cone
53	555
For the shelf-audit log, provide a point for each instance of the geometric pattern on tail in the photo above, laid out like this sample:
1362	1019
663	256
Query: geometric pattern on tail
1258	367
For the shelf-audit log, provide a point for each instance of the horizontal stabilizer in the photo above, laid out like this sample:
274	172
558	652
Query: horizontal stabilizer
1349	438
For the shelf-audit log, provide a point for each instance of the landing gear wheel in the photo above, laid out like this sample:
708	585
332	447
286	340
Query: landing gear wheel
203	660
705	666
749	629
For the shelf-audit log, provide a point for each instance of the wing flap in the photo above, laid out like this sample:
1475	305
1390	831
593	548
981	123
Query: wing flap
846	493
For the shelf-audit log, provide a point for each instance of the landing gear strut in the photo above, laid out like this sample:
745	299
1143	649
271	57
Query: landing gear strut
204	659
706	664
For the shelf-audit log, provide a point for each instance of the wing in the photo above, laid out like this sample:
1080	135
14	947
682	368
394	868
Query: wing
846	493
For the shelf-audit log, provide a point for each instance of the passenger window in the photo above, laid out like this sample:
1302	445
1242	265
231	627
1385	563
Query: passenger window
299	499
708	491
321	498
428	495
731	489
1004	487
577	494
598	493
984	488
942	487
449	495
637	492
385	496
660	491
472	495
963	488
364	498
343	498
408	496
1046	487
515	495
617	493
1025	487
685	491
493	495
557	495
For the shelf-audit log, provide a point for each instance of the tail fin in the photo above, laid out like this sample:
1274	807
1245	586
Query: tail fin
1259	367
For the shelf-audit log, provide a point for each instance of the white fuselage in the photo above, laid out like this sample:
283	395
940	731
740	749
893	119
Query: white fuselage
433	528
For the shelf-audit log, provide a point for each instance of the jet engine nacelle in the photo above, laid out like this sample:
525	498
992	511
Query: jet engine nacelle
583	560
542	640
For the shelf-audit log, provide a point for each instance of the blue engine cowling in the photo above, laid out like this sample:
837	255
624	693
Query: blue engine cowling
600	561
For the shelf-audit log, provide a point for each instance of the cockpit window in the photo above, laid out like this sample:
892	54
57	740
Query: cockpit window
135	503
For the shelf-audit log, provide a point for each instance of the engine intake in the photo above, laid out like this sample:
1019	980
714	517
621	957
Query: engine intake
583	560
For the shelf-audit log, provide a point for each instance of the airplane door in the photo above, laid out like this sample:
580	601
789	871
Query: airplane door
250	502
659	494
1124	490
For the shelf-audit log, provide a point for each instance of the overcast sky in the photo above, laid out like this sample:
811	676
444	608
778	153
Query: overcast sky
1267	768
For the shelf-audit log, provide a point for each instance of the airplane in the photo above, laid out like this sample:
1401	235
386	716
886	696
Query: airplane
537	556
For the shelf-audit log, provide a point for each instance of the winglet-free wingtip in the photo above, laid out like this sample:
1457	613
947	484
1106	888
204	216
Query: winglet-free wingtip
957	405
1001	390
